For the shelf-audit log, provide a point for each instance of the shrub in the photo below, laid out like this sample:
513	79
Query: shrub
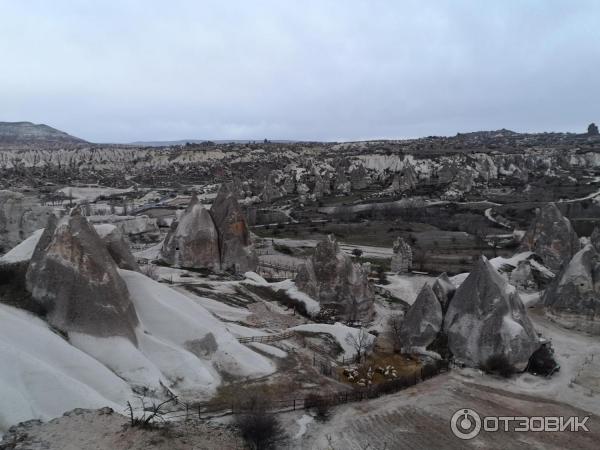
260	429
321	405
542	361
149	416
357	252
150	270
283	249
498	364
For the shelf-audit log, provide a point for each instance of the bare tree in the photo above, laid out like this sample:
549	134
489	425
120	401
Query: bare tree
394	327
360	342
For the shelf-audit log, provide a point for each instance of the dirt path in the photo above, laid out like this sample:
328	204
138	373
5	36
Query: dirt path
419	418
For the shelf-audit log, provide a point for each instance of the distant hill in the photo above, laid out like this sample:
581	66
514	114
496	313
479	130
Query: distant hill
31	133
199	141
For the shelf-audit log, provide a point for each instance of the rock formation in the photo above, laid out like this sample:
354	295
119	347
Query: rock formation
402	257
551	237
422	321
19	217
235	246
73	277
406	180
486	318
592	129
331	278
358	177
319	189
573	299
271	191
342	183
193	241
595	238
444	290
117	246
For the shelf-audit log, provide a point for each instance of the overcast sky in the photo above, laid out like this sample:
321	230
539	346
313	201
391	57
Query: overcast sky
120	70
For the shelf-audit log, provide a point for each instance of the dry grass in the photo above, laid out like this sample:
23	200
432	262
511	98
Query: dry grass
405	365
235	393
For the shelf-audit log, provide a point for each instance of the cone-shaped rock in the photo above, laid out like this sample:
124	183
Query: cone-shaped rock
444	290
333	279
193	241
234	238
573	298
74	278
486	318
117	246
422	321
551	237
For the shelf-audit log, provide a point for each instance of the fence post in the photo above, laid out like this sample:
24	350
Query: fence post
199	412
294	404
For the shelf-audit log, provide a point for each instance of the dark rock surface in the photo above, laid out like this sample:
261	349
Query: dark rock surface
551	237
487	318
573	299
422	321
73	277
235	244
193	241
332	278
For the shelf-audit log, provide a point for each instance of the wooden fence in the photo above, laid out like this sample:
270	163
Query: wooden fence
182	410
268	337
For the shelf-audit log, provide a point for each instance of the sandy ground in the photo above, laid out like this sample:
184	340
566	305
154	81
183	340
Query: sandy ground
419	418
86	430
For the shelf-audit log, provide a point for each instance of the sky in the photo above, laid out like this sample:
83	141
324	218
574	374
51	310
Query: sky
133	70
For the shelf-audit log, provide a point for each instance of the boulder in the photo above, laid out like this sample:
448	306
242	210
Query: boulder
422	321
73	277
235	246
573	299
551	237
402	258
486	318
332	278
193	241
19	217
